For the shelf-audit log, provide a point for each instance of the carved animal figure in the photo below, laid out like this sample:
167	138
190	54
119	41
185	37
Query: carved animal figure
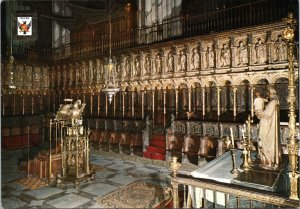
70	111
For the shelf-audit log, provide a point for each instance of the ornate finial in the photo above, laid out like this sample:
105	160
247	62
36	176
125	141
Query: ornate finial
175	166
288	33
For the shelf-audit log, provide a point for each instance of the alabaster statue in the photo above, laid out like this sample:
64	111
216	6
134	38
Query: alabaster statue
269	144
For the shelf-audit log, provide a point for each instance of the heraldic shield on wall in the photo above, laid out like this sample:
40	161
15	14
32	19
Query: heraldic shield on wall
24	26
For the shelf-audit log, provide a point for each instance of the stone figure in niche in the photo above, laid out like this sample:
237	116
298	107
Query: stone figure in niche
127	68
195	59
260	52
19	74
71	75
242	57
268	143
147	65
36	75
157	64
170	63
182	61
225	56
280	50
210	57
58	77
137	67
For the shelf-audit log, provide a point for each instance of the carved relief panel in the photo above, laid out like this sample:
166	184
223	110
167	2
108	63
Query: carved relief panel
278	47
147	65
158	64
28	75
18	74
195	59
259	49
137	66
36	75
241	51
170	62
223	53
127	67
182	60
209	59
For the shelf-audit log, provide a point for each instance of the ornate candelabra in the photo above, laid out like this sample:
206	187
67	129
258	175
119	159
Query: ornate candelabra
175	166
247	161
289	36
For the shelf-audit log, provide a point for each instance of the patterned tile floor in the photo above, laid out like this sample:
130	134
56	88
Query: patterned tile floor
119	171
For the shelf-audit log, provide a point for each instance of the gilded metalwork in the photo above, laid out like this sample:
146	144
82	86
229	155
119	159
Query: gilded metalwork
293	146
175	166
239	192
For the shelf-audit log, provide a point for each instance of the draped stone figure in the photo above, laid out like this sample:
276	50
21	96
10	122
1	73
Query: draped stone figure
147	65
170	63
225	56
210	57
269	145
260	52
280	50
242	57
195	59
182	61
157	64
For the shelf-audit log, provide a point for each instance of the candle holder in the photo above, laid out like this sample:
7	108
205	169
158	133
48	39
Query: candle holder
233	157
245	166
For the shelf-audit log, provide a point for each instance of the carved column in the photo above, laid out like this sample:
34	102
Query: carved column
250	50
114	98
143	98
14	104
132	104
293	146
106	105
23	105
165	99
152	62
188	57
153	103
202	57
234	101
98	104
190	99
203	101
176	103
252	88
164	61
91	105
123	104
219	100
269	47
176	60
32	104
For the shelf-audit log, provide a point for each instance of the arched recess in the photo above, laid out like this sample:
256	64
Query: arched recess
158	105
170	102
137	103
196	99
281	87
211	100
227	99
262	87
243	99
147	102
128	102
182	100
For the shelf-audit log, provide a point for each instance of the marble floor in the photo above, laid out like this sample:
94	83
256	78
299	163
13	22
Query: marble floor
118	171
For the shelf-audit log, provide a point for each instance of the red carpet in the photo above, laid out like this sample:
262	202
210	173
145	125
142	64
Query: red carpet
157	148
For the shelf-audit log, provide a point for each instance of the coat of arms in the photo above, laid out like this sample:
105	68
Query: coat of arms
24	26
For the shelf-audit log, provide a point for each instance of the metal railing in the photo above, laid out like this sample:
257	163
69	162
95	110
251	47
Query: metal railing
250	14
233	196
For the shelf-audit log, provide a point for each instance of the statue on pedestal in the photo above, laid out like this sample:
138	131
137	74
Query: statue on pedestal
269	146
